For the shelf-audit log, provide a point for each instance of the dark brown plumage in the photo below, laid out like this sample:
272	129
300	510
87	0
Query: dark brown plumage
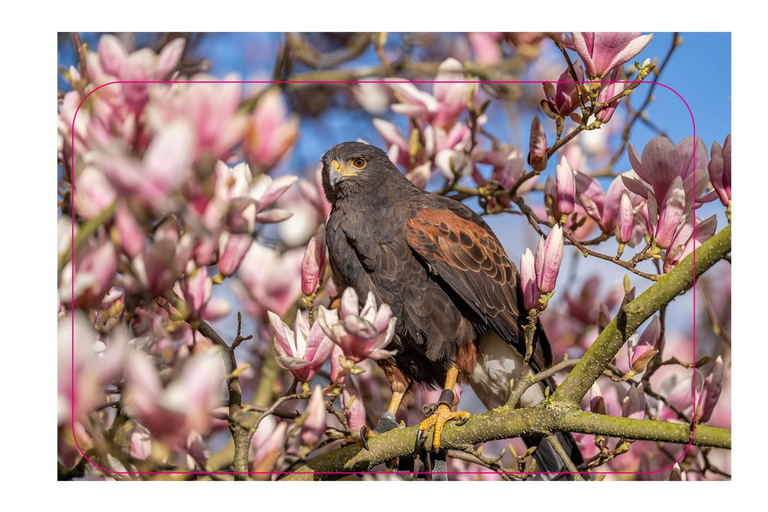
435	262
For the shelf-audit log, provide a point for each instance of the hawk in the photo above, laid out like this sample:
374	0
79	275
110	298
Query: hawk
448	280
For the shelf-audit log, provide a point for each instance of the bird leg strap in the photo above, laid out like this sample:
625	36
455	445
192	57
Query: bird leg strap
387	421
442	413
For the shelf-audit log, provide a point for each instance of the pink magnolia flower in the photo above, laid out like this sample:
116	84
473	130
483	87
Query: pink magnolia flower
684	242
633	405
640	349
398	150
373	97
610	90
165	167
531	294
301	351
196	289
665	178
92	193
625	219
313	265
157	268
95	267
354	410
361	334
181	407
537	152
586	304
266	445
710	391
679	392
566	187
604	207
268	280
450	149
562	100
339	372
77	363
313	426
549	255
113	62
603	51
720	171
441	108
132	237
596	400
312	193
508	164
271	132
210	109
486	46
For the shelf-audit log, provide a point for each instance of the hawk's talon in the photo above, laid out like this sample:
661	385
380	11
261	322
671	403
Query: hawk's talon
441	416
364	433
386	423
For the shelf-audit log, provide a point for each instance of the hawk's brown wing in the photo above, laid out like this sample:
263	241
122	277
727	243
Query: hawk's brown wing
462	252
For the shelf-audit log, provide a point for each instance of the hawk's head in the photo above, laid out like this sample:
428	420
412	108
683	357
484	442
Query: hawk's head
350	165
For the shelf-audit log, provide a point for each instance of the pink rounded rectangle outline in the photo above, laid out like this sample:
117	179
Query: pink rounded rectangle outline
389	81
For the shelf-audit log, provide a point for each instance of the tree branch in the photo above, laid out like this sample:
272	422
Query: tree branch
633	314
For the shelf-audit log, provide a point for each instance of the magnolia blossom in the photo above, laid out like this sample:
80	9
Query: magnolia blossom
508	163
685	243
710	391
604	207
302	351
361	333
585	305
266	445
665	178
270	132
196	289
313	425
211	110
486	46
640	349
596	400
447	149
165	167
608	91
531	294
239	202
269	280
625	220
95	265
720	172
181	407
441	108
679	392
537	152
562	99
157	268
354	410
603	51
549	255
113	62
313	265
633	405
77	364
566	187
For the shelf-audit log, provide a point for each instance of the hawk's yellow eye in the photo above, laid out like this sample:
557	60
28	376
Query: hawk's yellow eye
359	162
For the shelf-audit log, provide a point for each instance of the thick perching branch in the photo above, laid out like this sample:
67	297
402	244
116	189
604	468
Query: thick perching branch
560	412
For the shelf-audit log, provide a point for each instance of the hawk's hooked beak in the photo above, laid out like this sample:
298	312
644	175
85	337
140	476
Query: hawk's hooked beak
338	172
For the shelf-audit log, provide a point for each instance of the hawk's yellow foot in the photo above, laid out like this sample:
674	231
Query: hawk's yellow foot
438	419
